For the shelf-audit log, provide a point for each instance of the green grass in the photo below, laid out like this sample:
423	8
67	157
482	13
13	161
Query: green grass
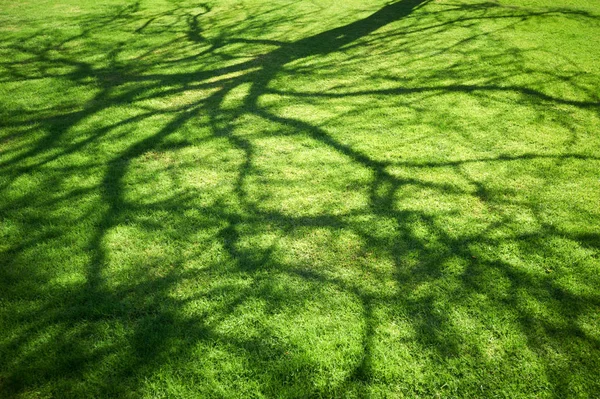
249	198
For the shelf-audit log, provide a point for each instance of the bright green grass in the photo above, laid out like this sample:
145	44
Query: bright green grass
252	198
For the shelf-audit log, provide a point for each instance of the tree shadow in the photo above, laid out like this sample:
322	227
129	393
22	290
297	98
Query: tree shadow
193	260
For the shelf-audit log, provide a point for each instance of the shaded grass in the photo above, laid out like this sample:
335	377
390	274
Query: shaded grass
299	199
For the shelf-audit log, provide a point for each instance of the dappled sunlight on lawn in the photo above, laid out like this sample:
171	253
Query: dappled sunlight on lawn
299	199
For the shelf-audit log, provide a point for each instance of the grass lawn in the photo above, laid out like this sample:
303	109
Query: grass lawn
250	198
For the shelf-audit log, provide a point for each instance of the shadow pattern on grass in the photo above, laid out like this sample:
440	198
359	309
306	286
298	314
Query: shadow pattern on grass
148	251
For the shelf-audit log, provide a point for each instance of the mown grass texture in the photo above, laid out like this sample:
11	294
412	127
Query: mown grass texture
246	198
